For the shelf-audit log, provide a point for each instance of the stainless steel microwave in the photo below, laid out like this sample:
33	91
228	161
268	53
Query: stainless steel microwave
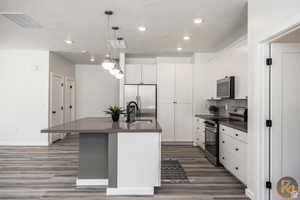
225	88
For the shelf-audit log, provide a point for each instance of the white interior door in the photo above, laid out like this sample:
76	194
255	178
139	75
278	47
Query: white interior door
56	103
285	109
183	122
69	99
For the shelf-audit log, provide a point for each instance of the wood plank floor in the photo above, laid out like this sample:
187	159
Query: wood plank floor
49	173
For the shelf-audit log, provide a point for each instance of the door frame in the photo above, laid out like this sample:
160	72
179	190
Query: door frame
52	74
263	172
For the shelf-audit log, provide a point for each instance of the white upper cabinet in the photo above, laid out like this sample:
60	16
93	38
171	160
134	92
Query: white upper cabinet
149	72
184	83
133	74
166	83
140	74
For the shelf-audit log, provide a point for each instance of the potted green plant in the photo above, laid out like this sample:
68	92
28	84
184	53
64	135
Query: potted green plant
213	109
115	112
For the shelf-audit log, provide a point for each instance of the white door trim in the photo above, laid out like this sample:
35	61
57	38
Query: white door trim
262	168
52	74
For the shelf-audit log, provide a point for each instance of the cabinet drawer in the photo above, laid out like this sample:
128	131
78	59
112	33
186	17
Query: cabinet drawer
199	121
233	155
199	129
238	168
235	167
233	133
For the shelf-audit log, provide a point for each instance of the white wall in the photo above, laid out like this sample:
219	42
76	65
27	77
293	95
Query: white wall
231	61
265	18
24	97
96	90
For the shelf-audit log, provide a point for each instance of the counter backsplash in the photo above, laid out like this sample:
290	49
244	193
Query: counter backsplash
225	105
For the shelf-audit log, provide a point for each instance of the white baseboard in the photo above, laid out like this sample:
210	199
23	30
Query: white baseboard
249	194
130	191
178	143
86	182
23	143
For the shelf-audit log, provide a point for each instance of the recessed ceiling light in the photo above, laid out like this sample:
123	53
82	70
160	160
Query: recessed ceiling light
83	51
186	38
142	28
198	21
92	59
179	49
69	41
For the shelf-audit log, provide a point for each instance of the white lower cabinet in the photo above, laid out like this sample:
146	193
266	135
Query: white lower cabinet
233	151
199	132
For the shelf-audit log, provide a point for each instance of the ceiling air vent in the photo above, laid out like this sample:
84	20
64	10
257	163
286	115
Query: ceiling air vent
21	19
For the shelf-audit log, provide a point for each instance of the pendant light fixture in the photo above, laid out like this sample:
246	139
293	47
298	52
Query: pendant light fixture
108	63
116	68
120	73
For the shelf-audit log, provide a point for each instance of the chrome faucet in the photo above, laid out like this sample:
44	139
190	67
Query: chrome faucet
131	111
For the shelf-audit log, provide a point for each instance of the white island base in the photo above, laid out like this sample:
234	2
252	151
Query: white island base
133	163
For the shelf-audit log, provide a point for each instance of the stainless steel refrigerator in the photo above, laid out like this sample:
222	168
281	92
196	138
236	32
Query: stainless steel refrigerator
145	96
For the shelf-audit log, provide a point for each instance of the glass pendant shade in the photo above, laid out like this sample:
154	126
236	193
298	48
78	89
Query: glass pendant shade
119	75
114	71
108	64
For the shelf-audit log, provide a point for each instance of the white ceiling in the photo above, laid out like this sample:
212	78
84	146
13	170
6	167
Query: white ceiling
83	21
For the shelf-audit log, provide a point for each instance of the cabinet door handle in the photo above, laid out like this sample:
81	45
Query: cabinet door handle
223	158
53	112
236	135
237	149
223	142
223	129
236	168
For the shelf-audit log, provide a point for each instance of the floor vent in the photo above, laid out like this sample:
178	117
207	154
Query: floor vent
21	19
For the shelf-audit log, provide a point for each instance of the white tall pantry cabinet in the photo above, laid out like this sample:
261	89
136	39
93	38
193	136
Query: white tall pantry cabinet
175	101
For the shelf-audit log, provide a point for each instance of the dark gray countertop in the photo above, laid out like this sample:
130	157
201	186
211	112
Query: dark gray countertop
242	126
222	119
104	125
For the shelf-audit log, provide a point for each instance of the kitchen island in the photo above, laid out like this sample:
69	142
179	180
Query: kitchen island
123	156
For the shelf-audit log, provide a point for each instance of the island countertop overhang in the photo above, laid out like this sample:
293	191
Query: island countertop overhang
104	125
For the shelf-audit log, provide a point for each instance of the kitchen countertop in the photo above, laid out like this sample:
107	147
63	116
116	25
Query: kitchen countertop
224	120
239	125
104	125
